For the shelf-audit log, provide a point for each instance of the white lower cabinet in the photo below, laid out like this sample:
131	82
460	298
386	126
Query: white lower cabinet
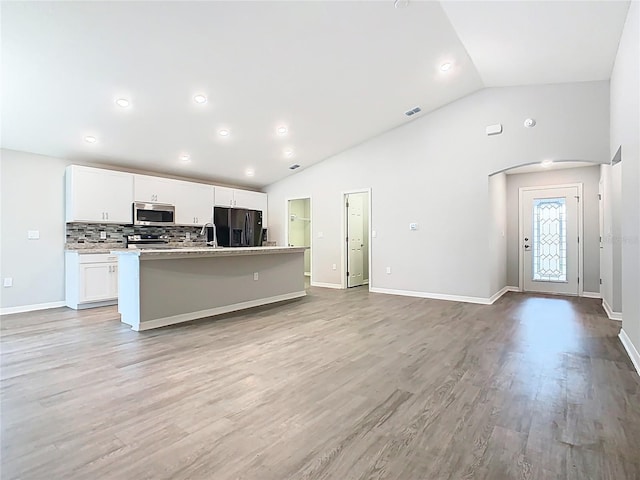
91	279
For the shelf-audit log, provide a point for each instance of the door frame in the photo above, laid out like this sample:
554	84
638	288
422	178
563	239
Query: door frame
343	236
286	228
521	190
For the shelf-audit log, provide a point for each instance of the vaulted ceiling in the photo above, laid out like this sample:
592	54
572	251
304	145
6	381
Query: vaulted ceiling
332	73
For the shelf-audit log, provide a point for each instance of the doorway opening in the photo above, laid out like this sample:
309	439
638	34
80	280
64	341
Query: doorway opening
299	228
356	249
550	232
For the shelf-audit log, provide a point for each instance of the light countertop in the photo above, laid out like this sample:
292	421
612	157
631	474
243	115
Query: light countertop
183	252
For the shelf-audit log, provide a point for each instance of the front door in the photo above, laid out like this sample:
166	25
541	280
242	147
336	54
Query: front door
550	243
355	239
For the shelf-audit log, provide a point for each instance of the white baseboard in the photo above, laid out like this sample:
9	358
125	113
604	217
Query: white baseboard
434	296
444	296
186	317
501	292
31	308
326	285
631	349
591	294
610	313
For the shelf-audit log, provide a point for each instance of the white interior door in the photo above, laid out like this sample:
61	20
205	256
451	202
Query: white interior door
550	242
355	239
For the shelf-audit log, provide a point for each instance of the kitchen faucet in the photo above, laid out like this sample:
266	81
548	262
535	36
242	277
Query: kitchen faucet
213	243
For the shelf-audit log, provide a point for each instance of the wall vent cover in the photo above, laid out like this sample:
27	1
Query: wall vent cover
413	111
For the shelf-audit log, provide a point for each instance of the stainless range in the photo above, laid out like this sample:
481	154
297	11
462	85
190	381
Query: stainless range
148	241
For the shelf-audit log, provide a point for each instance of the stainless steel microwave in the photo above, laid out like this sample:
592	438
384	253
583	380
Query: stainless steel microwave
153	214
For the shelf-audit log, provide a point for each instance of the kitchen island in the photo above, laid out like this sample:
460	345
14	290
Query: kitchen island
159	287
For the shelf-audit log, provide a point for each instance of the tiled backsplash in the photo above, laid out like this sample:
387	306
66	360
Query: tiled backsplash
89	233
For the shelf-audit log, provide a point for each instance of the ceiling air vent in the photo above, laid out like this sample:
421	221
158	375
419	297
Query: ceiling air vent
413	111
294	166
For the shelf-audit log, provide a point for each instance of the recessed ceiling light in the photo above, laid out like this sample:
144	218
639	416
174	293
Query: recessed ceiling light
282	130
122	102
288	153
445	66
90	139
223	133
249	172
185	157
200	98
546	163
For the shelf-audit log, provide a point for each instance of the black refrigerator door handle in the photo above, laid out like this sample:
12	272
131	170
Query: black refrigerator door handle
246	230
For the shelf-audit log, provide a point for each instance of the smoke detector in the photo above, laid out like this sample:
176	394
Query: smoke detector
529	123
401	3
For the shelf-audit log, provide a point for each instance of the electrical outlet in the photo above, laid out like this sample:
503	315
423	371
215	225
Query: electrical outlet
187	236
413	226
333	267
320	234
256	276
8	282
33	234
374	234
388	270
103	235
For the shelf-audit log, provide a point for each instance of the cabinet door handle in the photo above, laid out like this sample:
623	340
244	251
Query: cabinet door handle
107	215
109	268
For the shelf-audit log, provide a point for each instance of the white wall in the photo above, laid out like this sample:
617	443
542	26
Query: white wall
590	178
611	251
498	232
32	199
433	171
625	130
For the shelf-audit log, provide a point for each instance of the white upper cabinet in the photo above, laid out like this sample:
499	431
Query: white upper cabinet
250	200
155	189
194	204
223	197
98	196
95	195
231	197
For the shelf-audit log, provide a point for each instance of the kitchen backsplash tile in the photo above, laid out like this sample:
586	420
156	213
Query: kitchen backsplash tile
89	233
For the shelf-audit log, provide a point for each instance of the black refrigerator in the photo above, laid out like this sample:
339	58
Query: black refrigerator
238	227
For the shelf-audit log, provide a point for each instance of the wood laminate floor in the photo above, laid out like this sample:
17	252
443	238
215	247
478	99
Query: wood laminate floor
338	385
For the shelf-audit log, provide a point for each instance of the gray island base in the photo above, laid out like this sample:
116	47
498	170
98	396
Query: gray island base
163	287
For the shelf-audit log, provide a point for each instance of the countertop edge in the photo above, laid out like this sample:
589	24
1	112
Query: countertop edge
150	254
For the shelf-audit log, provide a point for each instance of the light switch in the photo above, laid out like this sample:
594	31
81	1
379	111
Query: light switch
333	266
256	276
388	270
320	235
33	234
374	234
8	282
413	226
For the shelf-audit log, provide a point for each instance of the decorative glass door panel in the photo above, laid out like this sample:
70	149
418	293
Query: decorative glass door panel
550	253
549	240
